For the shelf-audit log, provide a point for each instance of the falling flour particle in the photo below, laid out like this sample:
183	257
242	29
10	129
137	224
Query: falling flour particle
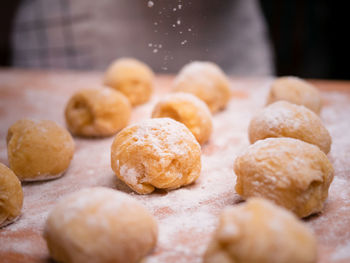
150	44
150	4
174	25
189	30
174	9
184	42
155	23
178	22
179	6
155	50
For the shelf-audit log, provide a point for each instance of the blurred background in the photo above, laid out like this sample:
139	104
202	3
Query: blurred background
302	38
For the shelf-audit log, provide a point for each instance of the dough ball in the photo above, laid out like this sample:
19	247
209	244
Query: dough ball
259	231
97	112
11	196
284	119
39	150
292	173
189	110
100	225
159	153
131	77
297	91
207	81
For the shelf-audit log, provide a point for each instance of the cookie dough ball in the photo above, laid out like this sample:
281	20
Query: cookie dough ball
97	112
99	225
39	150
292	173
159	153
11	196
131	77
284	119
259	231
297	91
189	110
207	81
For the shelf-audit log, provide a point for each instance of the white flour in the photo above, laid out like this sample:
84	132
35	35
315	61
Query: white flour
186	216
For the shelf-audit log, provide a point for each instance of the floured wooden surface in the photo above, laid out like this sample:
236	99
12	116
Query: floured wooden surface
186	216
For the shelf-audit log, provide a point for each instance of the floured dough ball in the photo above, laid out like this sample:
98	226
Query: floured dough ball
131	77
284	119
159	153
207	81
39	150
97	112
189	110
100	225
297	91
259	231
11	196
292	173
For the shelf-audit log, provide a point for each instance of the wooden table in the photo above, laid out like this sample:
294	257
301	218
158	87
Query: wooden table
186	216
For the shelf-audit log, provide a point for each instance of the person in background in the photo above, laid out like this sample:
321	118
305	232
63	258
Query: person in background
166	34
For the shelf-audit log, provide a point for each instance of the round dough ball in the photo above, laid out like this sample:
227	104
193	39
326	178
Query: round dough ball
159	153
207	81
259	231
284	119
297	91
131	77
97	112
189	110
39	150
11	196
99	225
292	173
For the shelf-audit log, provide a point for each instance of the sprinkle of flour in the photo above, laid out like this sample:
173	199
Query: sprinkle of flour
187	216
150	4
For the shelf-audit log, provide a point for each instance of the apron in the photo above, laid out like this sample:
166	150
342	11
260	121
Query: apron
165	34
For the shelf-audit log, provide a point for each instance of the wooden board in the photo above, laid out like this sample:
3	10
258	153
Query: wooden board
186	216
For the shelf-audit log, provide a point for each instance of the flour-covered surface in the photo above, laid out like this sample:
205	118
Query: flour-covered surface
186	216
